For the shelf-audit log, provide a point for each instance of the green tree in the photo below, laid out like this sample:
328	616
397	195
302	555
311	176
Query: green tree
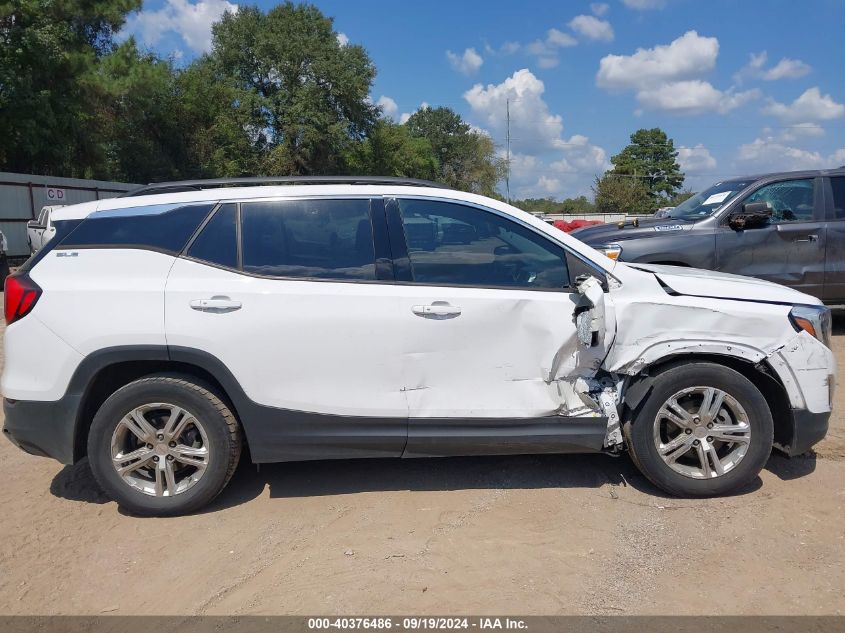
48	51
621	194
390	150
139	114
467	159
651	156
306	94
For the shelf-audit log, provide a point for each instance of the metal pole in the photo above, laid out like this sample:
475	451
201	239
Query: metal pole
508	151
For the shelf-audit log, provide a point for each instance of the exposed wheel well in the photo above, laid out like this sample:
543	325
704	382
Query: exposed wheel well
112	377
759	374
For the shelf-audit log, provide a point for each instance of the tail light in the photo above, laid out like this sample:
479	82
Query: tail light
21	295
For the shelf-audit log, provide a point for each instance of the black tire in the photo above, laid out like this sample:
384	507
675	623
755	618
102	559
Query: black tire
220	426
639	432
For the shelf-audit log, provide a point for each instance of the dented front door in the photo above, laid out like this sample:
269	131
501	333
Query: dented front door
489	319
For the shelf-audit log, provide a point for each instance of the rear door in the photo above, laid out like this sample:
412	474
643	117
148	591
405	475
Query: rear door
788	250
288	296
834	275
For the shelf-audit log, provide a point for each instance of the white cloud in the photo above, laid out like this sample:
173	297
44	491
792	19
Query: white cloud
532	124
693	97
388	106
592	28
810	106
468	63
670	77
644	5
599	8
696	159
786	68
342	39
768	154
191	21
543	161
837	159
689	56
546	50
802	131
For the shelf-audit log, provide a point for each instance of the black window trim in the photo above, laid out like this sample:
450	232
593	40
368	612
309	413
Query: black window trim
399	245
827	189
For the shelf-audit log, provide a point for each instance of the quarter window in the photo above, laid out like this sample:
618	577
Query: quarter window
160	227
218	241
324	239
454	244
790	200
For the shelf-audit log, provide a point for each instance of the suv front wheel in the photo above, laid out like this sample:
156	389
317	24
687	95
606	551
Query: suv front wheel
705	430
163	445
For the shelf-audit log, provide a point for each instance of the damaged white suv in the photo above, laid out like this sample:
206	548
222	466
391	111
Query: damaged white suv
375	317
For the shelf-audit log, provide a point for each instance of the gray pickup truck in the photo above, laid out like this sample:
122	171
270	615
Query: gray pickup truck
788	228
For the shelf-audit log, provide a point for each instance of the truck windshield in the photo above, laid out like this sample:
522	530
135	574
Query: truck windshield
703	204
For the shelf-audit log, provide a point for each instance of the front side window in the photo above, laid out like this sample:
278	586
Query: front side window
323	239
789	200
458	245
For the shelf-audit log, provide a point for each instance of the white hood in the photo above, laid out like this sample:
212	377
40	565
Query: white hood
696	282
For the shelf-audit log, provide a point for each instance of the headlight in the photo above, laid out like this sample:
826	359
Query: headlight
814	320
613	251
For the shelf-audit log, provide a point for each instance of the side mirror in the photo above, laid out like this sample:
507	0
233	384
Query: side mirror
751	215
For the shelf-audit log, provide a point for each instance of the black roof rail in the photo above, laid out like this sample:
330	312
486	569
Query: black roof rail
199	185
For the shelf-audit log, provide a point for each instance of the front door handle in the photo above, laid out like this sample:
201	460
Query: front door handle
809	238
437	309
215	304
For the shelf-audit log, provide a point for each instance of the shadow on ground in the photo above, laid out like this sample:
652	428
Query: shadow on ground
339	477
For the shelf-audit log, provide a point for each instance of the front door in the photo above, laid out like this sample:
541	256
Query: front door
491	347
298	312
790	248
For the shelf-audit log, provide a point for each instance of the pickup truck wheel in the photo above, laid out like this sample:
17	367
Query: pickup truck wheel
163	446
705	430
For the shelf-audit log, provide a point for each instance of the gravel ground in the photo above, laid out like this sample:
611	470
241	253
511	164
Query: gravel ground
510	535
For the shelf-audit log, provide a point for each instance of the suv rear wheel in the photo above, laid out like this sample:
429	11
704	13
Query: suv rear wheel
163	445
705	430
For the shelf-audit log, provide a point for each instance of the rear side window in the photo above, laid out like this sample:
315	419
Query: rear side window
324	239
218	241
160	227
838	185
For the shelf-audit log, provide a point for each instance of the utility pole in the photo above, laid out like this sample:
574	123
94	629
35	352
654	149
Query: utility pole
508	151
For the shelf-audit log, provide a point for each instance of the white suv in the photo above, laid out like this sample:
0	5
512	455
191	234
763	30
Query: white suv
339	317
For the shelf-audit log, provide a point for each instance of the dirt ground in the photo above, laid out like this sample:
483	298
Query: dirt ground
510	535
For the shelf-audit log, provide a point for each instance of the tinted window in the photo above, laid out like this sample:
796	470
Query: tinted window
838	185
790	200
453	244
326	239
218	241
140	227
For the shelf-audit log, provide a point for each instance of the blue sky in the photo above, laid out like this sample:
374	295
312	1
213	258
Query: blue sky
741	87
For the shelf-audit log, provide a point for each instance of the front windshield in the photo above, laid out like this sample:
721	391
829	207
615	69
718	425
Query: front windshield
703	204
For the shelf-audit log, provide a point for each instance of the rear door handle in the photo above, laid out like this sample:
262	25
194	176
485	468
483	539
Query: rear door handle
215	304
436	309
809	238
